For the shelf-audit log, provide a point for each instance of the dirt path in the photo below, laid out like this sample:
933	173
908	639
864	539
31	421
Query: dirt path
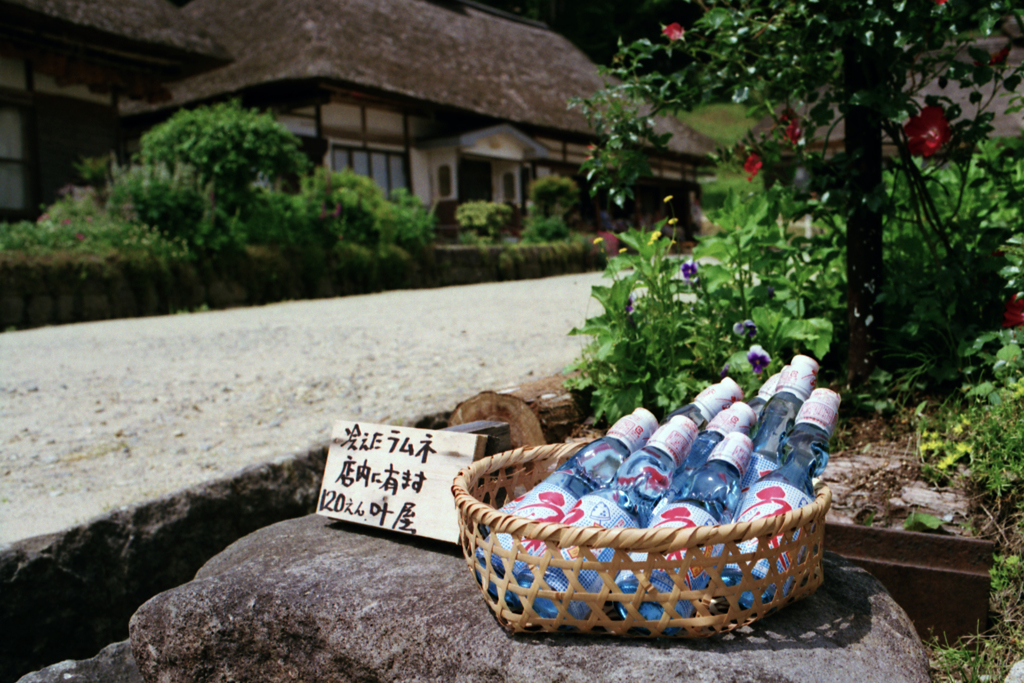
100	415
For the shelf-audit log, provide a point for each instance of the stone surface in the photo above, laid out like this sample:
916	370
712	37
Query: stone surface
315	600
68	594
114	664
1016	674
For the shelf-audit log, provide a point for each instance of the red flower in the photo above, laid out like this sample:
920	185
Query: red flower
999	57
673	31
79	236
752	166
927	132
1013	316
940	2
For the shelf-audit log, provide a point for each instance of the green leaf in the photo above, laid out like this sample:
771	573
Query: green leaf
919	521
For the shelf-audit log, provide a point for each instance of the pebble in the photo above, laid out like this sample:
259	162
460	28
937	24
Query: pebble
171	385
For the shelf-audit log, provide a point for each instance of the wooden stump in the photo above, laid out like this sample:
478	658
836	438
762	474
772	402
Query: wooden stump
537	413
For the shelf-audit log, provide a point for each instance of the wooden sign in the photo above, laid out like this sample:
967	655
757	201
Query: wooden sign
396	478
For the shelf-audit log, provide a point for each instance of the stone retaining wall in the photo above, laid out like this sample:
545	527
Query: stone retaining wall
68	288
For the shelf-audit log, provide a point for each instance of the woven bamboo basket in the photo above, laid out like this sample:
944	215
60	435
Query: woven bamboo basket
716	608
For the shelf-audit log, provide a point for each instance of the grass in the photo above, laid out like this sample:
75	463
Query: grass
988	438
726	124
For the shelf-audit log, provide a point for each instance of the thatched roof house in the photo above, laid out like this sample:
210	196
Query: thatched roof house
63	66
397	76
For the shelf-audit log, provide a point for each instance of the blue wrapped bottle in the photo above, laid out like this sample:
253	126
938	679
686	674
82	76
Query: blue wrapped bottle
711	497
778	415
593	466
709	403
641	480
765	393
790	487
736	418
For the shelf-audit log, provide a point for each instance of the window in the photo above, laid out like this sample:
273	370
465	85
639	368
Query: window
444	180
13	160
387	169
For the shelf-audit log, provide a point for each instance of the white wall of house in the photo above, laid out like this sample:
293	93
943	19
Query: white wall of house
423	185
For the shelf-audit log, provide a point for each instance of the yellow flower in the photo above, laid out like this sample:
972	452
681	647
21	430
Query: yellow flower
598	240
668	199
963	449
673	221
622	251
958	429
651	240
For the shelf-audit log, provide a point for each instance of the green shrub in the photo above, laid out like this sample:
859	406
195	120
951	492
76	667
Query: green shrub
542	229
175	202
101	235
554	195
485	218
229	145
278	218
344	206
409	223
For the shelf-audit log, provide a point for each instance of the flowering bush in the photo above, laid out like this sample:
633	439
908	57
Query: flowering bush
813	69
749	300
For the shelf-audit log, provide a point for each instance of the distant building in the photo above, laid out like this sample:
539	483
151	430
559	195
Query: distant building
64	67
451	99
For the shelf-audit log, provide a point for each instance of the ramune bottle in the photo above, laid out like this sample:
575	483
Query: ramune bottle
736	418
777	417
712	497
789	487
709	403
765	393
640	481
593	466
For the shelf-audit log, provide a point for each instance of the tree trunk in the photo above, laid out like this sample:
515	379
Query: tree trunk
864	268
537	413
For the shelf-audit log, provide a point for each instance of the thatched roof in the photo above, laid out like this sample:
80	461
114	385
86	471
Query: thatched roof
149	34
452	54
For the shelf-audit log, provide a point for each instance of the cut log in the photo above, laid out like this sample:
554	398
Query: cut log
537	413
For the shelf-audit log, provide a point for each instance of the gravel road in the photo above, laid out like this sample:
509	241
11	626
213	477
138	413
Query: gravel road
95	416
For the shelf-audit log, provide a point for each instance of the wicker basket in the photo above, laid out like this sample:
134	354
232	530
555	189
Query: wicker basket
716	608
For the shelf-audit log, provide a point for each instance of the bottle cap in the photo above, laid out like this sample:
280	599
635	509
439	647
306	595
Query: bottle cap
675	438
718	397
799	377
735	450
634	429
767	389
821	409
739	417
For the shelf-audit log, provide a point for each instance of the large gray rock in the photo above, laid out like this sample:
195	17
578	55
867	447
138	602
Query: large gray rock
114	664
312	600
69	594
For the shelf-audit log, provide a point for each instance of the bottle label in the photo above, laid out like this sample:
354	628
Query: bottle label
758	466
767	389
821	409
683	515
543	503
766	499
633	430
675	438
799	377
735	450
732	420
718	397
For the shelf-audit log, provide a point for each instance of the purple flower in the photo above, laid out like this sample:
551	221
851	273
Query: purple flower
725	371
337	210
689	271
758	358
629	304
747	329
771	292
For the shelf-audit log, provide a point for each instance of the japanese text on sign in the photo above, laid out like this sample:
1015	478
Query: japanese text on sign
397	478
